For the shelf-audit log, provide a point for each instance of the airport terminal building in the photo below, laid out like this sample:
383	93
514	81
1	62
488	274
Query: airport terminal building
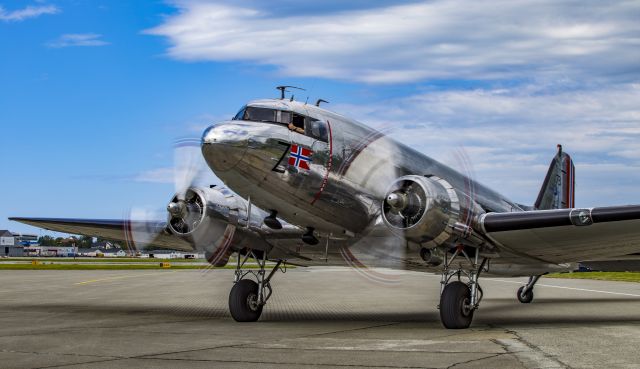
8	245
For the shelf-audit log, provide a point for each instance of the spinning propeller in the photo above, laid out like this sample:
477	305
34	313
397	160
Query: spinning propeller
417	212
186	209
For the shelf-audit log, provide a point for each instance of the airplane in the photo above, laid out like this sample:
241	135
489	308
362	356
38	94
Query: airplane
305	185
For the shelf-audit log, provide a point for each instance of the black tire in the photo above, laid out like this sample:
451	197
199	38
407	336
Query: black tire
527	298
453	314
243	301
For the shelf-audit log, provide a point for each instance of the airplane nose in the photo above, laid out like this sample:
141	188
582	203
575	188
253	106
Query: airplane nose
224	146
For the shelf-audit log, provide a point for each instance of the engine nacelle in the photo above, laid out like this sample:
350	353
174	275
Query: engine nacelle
421	209
208	219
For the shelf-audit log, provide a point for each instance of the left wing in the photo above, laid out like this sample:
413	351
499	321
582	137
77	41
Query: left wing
566	235
149	233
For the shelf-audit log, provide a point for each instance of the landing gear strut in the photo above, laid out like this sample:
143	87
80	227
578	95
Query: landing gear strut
459	300
525	293
248	297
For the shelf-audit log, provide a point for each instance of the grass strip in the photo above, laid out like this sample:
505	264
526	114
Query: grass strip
602	276
98	266
103	260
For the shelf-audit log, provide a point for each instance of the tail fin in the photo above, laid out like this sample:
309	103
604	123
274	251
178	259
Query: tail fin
558	188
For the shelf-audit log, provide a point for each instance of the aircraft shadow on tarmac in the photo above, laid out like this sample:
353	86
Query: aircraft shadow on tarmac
496	312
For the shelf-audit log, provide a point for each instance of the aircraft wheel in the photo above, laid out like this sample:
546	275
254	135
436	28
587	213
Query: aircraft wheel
243	301
527	298
454	310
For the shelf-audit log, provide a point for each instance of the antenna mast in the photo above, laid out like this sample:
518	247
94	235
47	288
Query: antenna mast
283	89
321	101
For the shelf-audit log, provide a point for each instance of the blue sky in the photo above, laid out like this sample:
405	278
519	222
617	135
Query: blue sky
94	93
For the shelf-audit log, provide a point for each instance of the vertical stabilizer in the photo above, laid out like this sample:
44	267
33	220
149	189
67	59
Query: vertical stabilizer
558	188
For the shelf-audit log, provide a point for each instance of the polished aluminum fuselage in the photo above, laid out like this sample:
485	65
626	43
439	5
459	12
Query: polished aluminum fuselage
341	193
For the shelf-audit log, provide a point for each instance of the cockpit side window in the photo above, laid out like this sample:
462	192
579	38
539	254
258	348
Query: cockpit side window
298	121
317	129
284	117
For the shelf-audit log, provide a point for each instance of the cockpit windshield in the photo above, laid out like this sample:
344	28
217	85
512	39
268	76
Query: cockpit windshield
260	114
257	114
296	122
240	114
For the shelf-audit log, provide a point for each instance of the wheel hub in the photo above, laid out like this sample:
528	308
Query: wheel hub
252	302
466	307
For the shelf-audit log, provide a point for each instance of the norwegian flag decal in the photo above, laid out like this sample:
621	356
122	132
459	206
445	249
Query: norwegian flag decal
300	157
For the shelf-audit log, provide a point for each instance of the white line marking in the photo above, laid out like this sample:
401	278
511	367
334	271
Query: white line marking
567	288
113	278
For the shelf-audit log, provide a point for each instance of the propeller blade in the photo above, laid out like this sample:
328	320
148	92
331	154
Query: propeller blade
188	164
143	225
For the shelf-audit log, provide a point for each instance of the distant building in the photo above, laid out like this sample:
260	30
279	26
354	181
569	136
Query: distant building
164	254
50	251
8	245
106	245
25	239
113	253
89	252
171	254
100	252
6	238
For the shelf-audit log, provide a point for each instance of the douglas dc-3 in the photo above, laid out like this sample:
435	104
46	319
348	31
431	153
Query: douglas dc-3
304	185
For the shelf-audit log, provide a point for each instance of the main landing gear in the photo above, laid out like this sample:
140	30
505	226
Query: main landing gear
248	297
458	300
525	293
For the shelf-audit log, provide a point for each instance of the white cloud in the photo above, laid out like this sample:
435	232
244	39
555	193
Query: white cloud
453	39
158	175
27	12
77	39
510	135
550	72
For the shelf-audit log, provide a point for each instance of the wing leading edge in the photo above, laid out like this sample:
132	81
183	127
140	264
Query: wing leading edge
567	235
133	233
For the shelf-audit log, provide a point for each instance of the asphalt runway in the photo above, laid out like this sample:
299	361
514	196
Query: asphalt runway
325	317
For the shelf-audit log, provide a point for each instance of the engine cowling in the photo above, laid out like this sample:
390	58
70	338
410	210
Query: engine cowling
421	209
207	219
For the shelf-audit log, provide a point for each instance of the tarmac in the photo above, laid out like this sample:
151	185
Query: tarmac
317	317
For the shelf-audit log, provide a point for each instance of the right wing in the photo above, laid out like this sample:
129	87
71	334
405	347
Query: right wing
566	235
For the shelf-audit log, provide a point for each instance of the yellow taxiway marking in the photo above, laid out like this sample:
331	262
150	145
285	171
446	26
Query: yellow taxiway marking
120	277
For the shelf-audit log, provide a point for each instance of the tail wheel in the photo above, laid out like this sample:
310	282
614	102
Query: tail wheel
455	309
527	297
243	301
